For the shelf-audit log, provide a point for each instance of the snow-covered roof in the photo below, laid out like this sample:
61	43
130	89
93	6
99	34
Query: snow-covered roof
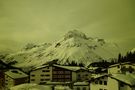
15	73
98	75
30	87
125	78
124	63
72	68
81	83
56	83
40	67
93	68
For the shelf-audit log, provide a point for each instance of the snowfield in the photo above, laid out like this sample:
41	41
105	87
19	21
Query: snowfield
74	46
31	87
38	87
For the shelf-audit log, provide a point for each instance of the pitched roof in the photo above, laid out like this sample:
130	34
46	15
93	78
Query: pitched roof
72	68
81	83
99	75
124	63
125	78
15	74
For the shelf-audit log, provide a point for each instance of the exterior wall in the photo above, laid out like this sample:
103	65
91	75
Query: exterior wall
112	84
95	85
133	88
83	75
2	79
9	82
80	87
74	75
21	81
61	75
116	69
41	75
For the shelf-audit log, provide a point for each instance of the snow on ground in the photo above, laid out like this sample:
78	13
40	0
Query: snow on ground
31	87
38	87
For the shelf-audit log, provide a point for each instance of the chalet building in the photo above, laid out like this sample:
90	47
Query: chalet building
15	77
55	73
41	74
3	68
99	82
113	82
122	82
81	86
126	67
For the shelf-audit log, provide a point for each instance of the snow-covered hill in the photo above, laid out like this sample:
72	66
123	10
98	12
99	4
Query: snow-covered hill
133	50
74	46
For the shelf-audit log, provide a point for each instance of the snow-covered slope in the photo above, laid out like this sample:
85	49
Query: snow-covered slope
31	87
133	50
27	58
74	47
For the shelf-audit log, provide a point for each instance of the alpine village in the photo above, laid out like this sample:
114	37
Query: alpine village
76	62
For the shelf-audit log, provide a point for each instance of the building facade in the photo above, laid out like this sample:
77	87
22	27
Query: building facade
15	77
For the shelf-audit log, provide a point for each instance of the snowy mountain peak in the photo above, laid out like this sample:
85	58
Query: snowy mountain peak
74	48
74	33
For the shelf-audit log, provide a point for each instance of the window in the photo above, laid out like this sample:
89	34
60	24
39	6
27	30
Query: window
105	82
42	75
102	77
47	79
32	79
96	82
67	76
41	79
100	82
47	75
86	74
67	72
45	70
78	88
32	75
84	88
121	84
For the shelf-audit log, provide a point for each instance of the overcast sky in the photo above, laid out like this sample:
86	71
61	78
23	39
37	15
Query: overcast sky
39	21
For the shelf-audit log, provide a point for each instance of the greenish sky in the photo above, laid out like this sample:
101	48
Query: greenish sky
38	21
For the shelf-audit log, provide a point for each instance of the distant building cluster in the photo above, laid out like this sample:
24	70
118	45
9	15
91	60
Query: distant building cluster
119	76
